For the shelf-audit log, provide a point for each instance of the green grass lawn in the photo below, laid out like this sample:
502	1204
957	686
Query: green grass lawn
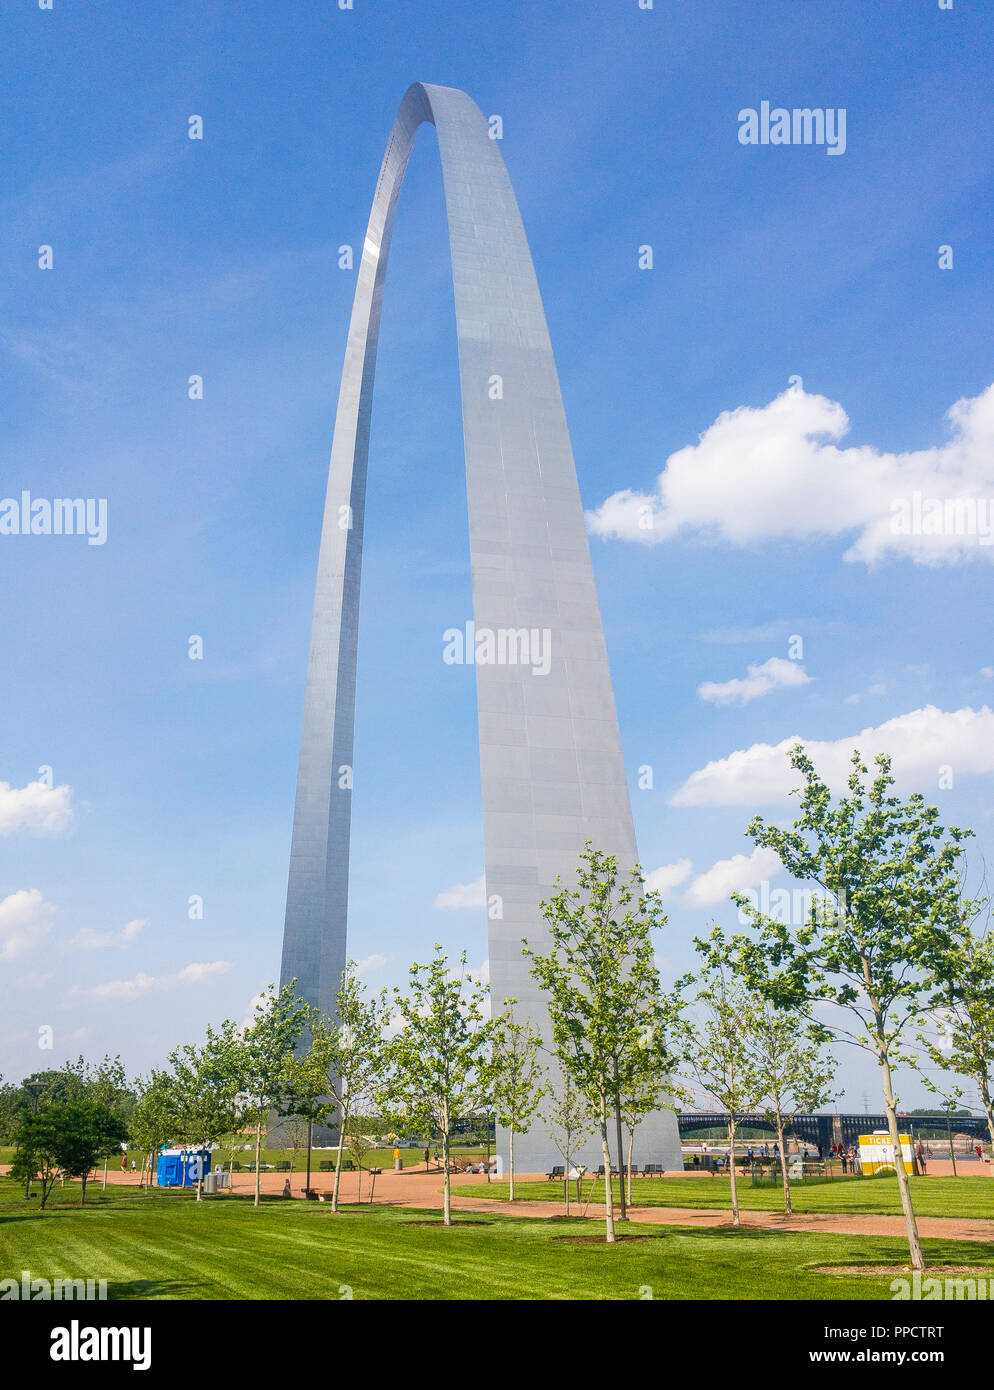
966	1197
166	1246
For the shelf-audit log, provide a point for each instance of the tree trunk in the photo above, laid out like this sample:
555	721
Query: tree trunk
510	1195
106	1162
338	1160
914	1242
631	1146
447	1189
623	1207
731	1174
307	1187
258	1162
82	1194
608	1187
989	1111
783	1168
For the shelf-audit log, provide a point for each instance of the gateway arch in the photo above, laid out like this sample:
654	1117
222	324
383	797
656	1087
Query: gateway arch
551	761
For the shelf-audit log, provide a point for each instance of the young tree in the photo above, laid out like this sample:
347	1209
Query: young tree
36	1149
107	1084
351	1055
602	986
65	1140
717	1048
648	1084
964	1006
879	942
365	1133
153	1119
570	1121
793	1068
437	1059
206	1084
88	1131
514	1079
268	1062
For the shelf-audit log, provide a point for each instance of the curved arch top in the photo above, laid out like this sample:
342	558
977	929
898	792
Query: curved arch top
552	768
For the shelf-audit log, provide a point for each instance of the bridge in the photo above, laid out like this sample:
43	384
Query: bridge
822	1131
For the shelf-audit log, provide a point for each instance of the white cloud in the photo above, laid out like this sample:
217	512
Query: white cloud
920	742
373	962
89	940
38	808
462	895
202	970
733	875
25	917
763	677
777	473
123	989
665	879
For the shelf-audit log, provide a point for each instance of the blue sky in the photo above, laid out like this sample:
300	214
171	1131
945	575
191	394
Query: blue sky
219	257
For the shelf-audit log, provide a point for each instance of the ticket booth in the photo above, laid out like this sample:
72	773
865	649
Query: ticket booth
876	1153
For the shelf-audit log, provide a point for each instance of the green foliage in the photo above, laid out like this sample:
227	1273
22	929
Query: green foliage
515	1075
154	1119
206	1085
963	1006
347	1063
609	1018
882	938
438	1058
65	1140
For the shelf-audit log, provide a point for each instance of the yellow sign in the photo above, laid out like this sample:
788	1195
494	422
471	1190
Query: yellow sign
876	1153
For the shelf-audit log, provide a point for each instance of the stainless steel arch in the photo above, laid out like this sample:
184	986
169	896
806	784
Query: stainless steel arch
552	767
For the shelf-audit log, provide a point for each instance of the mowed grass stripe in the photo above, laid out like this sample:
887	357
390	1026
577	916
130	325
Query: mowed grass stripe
169	1247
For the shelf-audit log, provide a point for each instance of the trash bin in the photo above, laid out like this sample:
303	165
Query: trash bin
210	1184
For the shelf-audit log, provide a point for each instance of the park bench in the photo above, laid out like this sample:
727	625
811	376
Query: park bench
284	1166
558	1173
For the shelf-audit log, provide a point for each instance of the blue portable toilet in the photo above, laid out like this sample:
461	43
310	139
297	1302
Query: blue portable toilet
182	1167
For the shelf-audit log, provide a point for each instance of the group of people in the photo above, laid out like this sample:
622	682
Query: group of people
848	1157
